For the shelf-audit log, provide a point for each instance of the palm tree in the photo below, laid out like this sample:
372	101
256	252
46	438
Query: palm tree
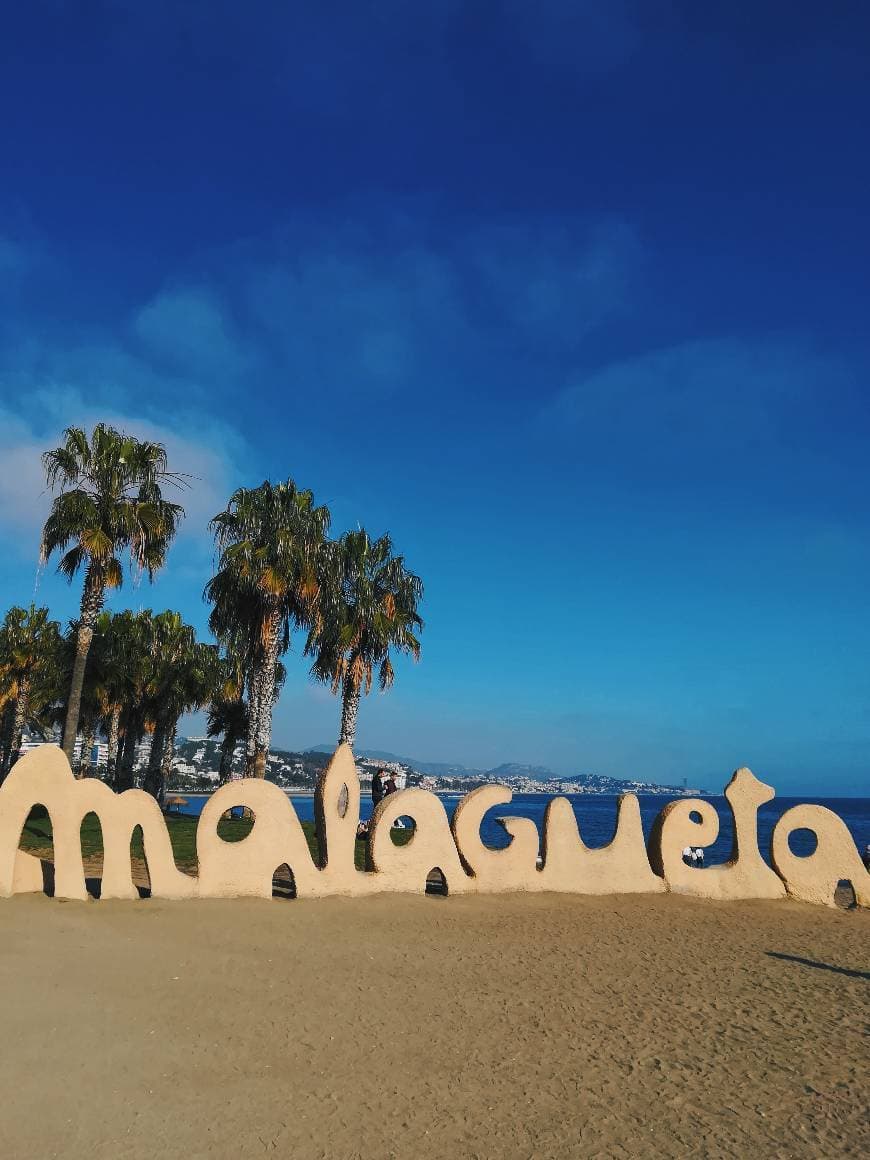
136	642
367	606
92	706
118	640
110	499
30	660
237	620
184	675
227	718
170	646
269	538
228	713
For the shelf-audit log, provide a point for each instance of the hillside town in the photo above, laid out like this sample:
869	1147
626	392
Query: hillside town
197	760
195	770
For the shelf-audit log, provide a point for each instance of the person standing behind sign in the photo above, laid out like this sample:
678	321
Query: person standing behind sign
390	785
377	787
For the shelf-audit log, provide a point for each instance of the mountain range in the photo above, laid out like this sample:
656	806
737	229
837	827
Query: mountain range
514	773
197	760
445	769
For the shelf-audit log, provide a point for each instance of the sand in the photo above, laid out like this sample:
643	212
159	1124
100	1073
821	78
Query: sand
428	1027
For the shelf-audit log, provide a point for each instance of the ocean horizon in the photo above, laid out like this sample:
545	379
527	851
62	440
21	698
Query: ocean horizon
596	817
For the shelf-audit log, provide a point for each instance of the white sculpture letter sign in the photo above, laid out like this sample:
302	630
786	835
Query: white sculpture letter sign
454	847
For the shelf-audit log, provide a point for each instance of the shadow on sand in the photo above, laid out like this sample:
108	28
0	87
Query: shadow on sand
819	966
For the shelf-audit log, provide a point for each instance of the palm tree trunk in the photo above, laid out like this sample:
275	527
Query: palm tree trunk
267	692
263	729
92	602
132	736
253	717
349	709
19	718
166	763
228	747
155	759
87	747
7	723
112	746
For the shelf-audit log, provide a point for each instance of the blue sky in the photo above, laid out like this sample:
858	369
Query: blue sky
571	298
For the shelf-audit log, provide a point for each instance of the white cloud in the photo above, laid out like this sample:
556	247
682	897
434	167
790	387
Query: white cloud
189	330
23	501
206	451
716	395
557	281
384	307
371	309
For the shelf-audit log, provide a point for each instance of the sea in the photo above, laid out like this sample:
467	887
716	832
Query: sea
596	817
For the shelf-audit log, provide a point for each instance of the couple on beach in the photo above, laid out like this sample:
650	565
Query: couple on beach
382	788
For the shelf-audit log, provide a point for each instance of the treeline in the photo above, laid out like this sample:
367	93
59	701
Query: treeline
123	676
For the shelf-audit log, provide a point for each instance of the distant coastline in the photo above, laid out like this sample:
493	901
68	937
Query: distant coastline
197	759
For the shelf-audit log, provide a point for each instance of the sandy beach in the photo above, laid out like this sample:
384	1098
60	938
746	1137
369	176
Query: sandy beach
427	1027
